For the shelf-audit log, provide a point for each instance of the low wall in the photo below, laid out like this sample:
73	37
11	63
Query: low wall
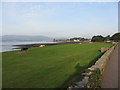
100	64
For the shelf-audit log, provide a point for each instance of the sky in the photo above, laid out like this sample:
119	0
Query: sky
59	19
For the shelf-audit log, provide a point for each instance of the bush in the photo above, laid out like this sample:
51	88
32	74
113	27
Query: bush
94	79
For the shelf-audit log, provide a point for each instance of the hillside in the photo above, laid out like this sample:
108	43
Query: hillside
24	38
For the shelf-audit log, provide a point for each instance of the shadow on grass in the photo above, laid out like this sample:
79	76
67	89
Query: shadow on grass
74	77
77	76
94	60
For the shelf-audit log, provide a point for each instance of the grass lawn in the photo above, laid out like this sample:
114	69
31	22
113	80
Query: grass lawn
48	67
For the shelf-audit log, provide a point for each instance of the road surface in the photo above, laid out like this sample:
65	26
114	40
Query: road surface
110	74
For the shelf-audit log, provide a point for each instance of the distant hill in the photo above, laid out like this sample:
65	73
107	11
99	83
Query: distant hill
25	38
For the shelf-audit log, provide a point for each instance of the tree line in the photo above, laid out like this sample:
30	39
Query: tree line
100	38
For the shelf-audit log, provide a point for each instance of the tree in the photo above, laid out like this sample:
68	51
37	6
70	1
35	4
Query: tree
116	37
98	38
107	38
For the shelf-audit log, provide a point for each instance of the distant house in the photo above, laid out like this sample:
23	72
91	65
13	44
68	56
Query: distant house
76	40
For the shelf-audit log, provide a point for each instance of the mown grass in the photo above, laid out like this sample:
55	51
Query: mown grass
48	67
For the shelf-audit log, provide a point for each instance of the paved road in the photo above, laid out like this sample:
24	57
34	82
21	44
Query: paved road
110	74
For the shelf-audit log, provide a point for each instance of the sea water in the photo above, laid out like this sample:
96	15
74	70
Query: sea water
8	45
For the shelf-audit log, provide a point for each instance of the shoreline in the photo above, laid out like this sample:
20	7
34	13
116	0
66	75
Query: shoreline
19	46
8	46
27	46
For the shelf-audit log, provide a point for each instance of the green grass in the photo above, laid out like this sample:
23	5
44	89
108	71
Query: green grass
48	67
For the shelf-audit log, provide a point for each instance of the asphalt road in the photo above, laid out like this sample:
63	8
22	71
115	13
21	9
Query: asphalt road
110	74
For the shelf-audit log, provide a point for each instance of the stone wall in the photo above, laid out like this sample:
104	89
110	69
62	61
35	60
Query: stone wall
100	64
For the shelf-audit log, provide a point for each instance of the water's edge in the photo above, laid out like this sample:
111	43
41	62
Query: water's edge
8	45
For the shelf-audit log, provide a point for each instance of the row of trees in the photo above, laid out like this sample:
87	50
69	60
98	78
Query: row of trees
99	38
79	38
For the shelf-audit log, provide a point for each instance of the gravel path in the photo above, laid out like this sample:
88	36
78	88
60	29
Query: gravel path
110	74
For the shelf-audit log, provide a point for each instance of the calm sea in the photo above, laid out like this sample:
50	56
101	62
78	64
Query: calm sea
7	45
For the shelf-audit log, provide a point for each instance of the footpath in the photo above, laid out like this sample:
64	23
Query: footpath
110	74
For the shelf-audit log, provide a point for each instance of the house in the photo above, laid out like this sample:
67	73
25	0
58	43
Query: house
76	40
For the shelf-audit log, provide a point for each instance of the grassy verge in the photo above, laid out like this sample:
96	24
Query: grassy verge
48	67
